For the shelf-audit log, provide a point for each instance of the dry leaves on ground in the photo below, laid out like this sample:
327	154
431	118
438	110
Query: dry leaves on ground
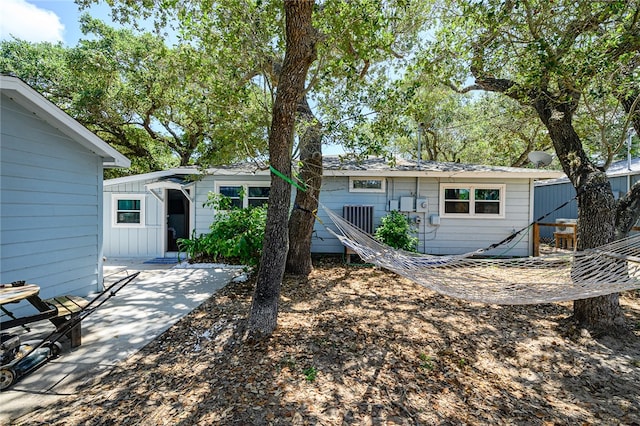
358	345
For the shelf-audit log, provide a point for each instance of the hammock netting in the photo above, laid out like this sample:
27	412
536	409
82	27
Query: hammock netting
556	277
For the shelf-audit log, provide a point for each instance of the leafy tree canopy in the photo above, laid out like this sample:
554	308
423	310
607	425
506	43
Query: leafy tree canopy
158	105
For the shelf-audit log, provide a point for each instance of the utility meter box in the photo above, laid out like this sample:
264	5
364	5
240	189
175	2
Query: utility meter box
406	204
422	205
394	205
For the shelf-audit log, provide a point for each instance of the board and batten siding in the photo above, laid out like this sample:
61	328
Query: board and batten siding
134	242
452	236
50	207
147	241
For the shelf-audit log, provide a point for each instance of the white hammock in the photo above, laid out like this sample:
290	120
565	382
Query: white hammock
557	277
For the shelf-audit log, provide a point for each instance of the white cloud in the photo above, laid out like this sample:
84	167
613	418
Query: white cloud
28	22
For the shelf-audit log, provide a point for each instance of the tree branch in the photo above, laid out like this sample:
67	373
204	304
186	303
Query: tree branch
627	211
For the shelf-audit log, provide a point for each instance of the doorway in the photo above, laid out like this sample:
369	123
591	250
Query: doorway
177	218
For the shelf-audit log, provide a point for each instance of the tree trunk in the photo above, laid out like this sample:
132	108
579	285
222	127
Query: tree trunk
596	206
306	202
299	55
596	226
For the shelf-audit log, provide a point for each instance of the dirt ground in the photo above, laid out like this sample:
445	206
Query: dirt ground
358	345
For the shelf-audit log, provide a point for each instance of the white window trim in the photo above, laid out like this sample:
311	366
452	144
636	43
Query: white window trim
472	187
383	187
245	186
114	210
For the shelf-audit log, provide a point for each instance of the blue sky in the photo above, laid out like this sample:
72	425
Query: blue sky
45	20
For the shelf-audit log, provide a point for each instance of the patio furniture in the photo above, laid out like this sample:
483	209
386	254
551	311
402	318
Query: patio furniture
565	240
60	310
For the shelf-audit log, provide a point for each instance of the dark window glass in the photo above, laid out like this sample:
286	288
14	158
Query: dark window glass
128	211
128	204
487	208
259	191
367	184
487	194
456	207
128	217
456	194
230	191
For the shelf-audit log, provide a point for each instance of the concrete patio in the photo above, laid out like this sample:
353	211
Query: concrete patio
140	312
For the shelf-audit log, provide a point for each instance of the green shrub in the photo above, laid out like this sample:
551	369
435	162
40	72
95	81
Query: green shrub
396	231
236	235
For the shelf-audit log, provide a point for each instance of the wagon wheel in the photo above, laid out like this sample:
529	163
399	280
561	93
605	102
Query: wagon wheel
7	377
55	349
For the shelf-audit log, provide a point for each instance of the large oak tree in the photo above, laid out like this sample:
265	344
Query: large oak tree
546	55
160	105
301	40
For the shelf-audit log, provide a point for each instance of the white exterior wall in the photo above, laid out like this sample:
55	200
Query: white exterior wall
50	206
453	236
143	241
147	241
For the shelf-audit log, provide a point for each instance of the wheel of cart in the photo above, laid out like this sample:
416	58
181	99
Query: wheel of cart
30	356
7	377
18	359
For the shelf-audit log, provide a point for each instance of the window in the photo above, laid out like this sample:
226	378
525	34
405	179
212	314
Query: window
233	193
128	210
243	195
366	184
472	200
258	195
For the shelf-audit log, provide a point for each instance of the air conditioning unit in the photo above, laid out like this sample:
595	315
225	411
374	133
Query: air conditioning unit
360	216
562	229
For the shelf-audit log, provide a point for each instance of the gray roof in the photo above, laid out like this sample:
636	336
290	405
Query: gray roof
373	167
624	167
337	165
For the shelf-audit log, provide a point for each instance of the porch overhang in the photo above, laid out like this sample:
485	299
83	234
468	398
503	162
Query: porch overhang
174	182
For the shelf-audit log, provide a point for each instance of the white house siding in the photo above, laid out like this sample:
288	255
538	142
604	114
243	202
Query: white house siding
133	241
50	207
204	215
148	241
453	236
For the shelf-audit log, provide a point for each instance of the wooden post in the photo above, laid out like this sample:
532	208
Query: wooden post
536	239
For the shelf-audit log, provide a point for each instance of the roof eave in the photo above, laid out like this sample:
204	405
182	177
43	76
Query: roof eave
29	98
447	174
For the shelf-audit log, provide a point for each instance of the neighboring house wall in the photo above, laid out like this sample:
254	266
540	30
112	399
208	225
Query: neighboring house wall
548	199
620	184
51	206
553	194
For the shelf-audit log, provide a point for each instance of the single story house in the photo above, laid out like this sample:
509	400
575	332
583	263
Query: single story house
51	175
552	193
456	208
